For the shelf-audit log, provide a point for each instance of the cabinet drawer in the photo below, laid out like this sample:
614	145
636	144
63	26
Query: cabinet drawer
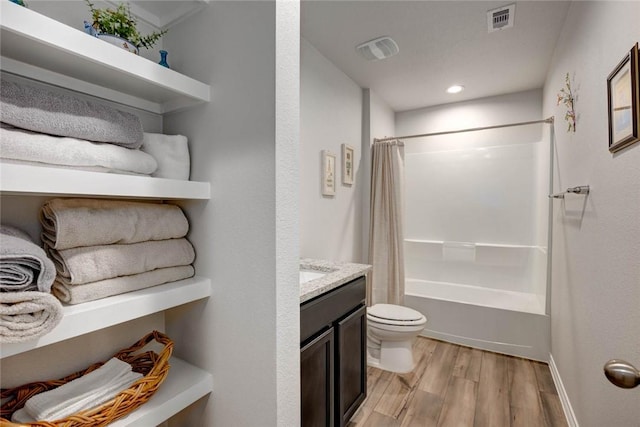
327	308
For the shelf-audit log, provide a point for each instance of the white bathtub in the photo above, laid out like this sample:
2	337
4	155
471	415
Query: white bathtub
497	301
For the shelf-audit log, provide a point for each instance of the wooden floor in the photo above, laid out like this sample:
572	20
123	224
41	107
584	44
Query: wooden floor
458	386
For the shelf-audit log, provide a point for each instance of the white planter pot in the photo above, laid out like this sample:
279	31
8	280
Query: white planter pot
118	41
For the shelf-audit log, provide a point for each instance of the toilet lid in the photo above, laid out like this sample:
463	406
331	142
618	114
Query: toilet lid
394	312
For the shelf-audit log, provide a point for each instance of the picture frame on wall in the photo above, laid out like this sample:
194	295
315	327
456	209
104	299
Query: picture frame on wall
328	173
623	93
348	164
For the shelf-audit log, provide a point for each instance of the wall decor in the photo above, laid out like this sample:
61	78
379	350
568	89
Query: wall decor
623	88
328	173
347	164
565	96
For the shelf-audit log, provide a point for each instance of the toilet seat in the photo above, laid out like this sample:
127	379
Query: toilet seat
390	314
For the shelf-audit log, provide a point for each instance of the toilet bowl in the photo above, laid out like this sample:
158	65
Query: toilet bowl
391	330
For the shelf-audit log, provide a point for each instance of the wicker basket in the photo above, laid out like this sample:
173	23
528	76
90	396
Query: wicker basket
154	367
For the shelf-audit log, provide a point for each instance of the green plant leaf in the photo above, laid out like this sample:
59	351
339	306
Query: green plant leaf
121	23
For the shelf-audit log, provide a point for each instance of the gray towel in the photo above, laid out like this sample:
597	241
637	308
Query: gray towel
27	315
76	294
70	223
24	266
77	266
41	110
46	150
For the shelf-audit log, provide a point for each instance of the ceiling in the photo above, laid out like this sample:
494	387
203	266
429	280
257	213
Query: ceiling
441	43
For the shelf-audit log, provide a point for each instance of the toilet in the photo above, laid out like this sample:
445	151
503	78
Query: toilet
391	330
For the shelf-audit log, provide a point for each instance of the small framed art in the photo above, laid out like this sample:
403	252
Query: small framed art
328	173
623	97
347	164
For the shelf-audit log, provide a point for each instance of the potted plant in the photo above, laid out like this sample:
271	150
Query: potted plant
119	27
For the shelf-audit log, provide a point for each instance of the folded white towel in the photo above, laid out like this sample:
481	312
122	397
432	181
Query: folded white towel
76	294
23	145
24	266
86	392
27	315
70	223
87	264
73	168
171	152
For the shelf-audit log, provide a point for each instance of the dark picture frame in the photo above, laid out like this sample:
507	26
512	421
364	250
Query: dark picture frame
623	94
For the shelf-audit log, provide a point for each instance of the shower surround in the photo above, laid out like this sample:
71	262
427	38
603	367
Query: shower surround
476	240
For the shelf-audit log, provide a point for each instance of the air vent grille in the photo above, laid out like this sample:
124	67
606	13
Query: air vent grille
379	48
501	18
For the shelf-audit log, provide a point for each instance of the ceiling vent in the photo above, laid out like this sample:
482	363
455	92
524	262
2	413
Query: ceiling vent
501	18
380	48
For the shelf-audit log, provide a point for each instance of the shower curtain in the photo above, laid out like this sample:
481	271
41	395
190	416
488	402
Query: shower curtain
386	231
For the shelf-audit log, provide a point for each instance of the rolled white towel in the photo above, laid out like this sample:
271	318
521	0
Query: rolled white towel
85	392
27	315
171	152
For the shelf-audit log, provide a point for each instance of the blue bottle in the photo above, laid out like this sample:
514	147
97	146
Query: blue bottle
163	59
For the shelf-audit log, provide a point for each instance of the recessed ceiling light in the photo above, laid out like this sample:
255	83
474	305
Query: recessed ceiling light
455	89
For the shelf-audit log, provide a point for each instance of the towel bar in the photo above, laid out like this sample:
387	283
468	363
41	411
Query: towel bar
581	189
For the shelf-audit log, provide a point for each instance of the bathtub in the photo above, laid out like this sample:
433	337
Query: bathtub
485	296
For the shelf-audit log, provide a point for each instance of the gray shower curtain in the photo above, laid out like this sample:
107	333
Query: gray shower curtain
386	230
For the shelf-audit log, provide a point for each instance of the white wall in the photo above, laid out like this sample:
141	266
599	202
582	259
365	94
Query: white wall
245	143
496	110
486	182
596	245
330	115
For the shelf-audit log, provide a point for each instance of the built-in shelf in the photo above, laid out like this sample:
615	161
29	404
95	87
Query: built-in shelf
184	385
95	315
42	49
38	47
16	179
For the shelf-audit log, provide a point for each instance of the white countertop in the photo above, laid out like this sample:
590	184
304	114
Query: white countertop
337	273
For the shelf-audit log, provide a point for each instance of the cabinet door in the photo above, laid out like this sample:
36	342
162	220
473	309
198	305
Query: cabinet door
351	364
316	378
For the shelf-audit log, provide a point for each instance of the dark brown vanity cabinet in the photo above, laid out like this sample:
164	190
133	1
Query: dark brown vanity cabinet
333	364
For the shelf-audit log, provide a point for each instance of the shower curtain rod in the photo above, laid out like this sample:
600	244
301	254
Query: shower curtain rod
393	138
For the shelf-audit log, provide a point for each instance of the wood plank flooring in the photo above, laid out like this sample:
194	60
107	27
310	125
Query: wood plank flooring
456	386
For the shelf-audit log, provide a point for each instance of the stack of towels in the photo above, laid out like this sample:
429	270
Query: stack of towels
83	393
102	247
41	127
27	308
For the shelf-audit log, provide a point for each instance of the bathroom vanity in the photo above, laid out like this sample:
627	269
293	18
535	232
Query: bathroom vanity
333	347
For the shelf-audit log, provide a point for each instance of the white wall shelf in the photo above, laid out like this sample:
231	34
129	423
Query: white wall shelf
184	385
39	48
30	180
91	316
43	49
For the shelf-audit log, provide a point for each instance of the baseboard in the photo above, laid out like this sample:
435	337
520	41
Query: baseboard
525	351
562	393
